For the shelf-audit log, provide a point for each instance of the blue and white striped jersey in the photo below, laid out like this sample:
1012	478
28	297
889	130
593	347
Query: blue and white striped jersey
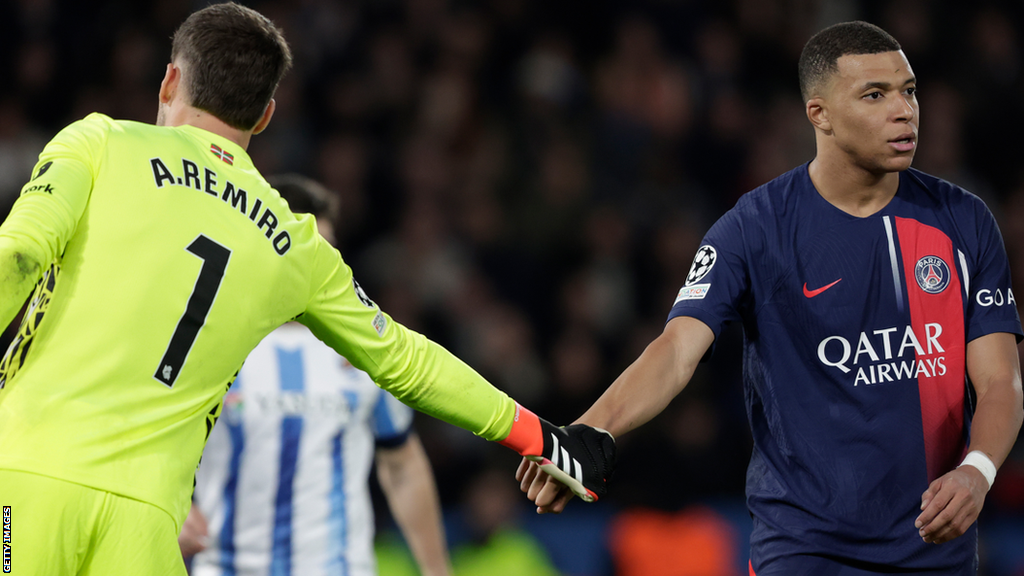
284	478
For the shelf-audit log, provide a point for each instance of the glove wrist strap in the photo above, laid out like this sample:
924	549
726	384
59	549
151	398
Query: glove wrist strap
526	436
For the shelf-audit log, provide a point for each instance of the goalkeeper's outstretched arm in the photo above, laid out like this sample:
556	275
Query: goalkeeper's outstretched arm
425	376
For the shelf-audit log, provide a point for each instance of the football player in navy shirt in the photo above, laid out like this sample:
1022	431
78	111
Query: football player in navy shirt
880	369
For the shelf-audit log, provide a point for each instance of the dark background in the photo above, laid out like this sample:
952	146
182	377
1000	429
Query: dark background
526	182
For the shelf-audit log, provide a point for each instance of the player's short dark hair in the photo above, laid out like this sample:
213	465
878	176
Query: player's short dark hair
818	60
234	58
305	195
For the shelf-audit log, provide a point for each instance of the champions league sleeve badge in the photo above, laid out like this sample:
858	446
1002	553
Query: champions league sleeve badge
702	264
932	274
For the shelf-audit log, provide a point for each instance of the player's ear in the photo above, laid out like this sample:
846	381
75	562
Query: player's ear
817	113
268	113
169	85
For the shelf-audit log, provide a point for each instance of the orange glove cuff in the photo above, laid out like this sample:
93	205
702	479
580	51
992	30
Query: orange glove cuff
526	436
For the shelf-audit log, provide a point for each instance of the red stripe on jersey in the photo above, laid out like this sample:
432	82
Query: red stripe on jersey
750	567
940	380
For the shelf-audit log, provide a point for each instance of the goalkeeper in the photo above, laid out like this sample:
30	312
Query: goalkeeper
160	257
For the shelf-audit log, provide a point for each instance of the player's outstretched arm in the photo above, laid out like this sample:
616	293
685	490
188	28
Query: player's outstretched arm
423	375
953	501
639	394
408	484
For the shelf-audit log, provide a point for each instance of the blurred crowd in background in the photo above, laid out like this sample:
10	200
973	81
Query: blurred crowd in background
526	182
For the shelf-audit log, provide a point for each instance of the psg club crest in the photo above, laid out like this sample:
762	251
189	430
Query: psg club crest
702	264
932	274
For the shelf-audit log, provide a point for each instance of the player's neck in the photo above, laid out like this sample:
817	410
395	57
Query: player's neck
851	188
187	115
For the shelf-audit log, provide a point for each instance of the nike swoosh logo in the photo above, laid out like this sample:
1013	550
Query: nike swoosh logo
813	293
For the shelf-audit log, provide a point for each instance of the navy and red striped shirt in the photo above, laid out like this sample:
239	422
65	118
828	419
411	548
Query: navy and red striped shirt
855	335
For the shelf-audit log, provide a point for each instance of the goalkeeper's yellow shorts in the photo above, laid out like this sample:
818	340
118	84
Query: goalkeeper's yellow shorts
57	528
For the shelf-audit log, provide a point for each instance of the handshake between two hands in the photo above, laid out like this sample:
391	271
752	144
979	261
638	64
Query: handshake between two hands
560	462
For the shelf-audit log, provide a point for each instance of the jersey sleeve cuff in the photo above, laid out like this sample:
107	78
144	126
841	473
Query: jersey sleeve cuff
710	320
391	442
1008	326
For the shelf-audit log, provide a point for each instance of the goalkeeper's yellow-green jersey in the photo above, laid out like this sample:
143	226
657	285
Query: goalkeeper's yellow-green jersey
164	258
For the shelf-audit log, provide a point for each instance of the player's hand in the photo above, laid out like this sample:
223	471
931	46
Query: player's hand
951	504
193	537
548	494
579	456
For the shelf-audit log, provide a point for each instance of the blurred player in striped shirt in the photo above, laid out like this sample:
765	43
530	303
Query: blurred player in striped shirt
283	487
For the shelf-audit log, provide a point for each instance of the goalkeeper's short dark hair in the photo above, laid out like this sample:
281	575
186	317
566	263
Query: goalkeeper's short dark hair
234	58
818	60
305	195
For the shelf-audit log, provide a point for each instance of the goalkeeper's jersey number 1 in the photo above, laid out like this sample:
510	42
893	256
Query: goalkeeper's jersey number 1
215	258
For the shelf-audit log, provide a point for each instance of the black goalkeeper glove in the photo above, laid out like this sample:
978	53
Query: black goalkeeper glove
580	456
